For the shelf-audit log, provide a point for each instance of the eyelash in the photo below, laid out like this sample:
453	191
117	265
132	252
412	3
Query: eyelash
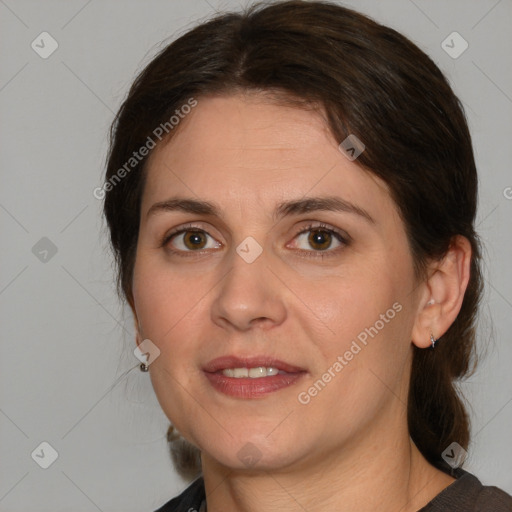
343	238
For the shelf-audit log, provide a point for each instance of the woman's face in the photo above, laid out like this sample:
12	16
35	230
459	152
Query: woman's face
299	258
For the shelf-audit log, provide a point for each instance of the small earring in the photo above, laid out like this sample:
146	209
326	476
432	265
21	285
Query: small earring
433	340
144	367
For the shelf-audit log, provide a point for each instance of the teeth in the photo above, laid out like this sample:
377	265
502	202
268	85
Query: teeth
253	373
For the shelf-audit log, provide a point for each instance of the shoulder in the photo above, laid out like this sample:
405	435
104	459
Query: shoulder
492	498
467	494
188	501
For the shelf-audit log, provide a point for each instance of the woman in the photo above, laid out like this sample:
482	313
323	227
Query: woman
291	196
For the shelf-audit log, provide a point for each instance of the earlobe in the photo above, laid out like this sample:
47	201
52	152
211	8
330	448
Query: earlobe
444	293
424	333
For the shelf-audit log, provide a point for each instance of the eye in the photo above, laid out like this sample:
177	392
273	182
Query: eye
190	239
314	240
320	238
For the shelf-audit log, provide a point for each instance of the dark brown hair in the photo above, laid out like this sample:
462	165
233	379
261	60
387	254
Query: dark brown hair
370	81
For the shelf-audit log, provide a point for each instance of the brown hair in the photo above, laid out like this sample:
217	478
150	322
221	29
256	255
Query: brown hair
372	82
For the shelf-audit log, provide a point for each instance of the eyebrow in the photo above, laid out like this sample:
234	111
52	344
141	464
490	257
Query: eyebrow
284	209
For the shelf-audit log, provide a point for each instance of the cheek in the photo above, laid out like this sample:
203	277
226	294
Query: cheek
164	299
355	301
363	365
169	308
366	344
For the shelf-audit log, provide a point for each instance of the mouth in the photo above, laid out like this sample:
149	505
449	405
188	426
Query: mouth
251	377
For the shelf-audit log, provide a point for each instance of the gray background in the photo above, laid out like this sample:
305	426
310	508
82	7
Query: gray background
68	375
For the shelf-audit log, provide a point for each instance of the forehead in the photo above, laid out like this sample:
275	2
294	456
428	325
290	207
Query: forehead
246	151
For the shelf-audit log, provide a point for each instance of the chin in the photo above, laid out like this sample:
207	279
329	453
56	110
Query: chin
256	452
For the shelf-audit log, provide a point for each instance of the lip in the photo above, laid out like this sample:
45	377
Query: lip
221	363
247	387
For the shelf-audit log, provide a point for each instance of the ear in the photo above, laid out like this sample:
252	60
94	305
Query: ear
137	328
138	336
443	293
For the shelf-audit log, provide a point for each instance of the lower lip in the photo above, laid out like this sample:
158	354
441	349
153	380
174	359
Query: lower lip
245	387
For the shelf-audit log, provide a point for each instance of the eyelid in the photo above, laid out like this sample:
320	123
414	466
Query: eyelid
344	236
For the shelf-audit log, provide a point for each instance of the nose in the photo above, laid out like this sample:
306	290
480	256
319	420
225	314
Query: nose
249	295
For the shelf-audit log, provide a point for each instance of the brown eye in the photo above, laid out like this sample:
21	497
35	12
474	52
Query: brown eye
190	240
320	239
194	240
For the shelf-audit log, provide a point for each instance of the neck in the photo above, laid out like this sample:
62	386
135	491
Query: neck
368	474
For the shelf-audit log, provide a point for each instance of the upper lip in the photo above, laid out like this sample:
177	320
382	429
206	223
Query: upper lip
221	363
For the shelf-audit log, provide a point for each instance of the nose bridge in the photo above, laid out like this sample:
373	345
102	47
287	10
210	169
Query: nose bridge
248	291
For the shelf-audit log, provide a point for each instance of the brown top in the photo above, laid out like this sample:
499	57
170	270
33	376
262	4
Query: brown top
465	494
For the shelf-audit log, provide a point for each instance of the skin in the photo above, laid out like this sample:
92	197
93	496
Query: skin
349	447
